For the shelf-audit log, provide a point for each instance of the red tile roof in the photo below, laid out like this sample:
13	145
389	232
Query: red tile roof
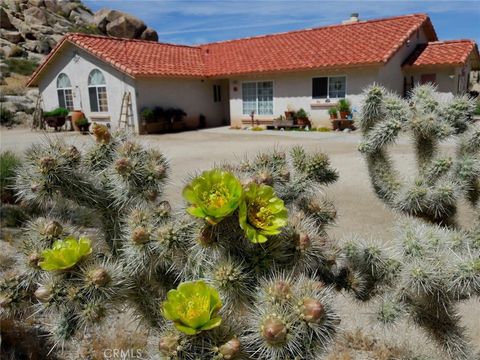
356	44
454	52
363	43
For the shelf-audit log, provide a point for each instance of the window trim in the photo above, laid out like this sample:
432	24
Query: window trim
63	89
328	86
96	87
256	93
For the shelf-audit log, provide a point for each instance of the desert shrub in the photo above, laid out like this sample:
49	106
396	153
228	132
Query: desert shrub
16	51
9	162
85	29
21	66
148	115
257	128
6	116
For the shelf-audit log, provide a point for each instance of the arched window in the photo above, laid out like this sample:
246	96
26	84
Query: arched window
64	92
97	91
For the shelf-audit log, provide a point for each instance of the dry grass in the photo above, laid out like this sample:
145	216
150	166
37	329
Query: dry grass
15	85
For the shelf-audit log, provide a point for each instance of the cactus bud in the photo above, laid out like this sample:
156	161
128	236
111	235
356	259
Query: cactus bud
160	171
34	187
72	292
98	277
140	235
43	294
164	208
168	344
264	177
72	154
34	259
247	181
230	349
312	310
206	237
280	291
274	330
285	174
151	195
46	164
53	229
123	166
303	242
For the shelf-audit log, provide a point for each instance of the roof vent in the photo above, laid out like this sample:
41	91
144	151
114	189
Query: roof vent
353	19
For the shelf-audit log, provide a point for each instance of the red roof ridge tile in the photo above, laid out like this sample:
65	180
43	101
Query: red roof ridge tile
360	22
105	37
442	42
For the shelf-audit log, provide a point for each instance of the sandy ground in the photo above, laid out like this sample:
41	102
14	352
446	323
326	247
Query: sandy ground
359	211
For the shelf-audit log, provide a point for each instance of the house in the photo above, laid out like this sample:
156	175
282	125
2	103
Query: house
224	82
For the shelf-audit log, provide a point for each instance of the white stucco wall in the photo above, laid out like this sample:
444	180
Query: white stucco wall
193	96
446	77
78	64
391	74
295	90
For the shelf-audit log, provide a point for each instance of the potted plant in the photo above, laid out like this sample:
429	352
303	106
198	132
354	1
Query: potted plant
290	113
75	116
344	108
333	112
302	117
83	125
56	118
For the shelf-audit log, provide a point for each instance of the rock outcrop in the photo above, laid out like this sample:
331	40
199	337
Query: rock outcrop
37	25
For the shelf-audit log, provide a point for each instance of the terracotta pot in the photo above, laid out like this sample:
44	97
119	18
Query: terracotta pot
303	121
344	114
333	117
76	115
192	123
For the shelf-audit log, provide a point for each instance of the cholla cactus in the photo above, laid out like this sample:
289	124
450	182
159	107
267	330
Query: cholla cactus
437	265
246	270
441	179
249	256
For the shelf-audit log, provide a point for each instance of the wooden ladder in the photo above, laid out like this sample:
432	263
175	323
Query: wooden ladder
126	113
37	119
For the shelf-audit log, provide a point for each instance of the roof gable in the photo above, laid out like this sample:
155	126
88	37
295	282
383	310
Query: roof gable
364	43
443	53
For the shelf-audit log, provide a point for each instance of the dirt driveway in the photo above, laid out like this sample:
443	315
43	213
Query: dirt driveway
360	212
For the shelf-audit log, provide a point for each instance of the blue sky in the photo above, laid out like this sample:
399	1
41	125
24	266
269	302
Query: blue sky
200	21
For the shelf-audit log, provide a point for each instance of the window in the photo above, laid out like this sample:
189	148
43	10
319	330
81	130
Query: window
257	97
97	91
217	93
329	87
64	92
